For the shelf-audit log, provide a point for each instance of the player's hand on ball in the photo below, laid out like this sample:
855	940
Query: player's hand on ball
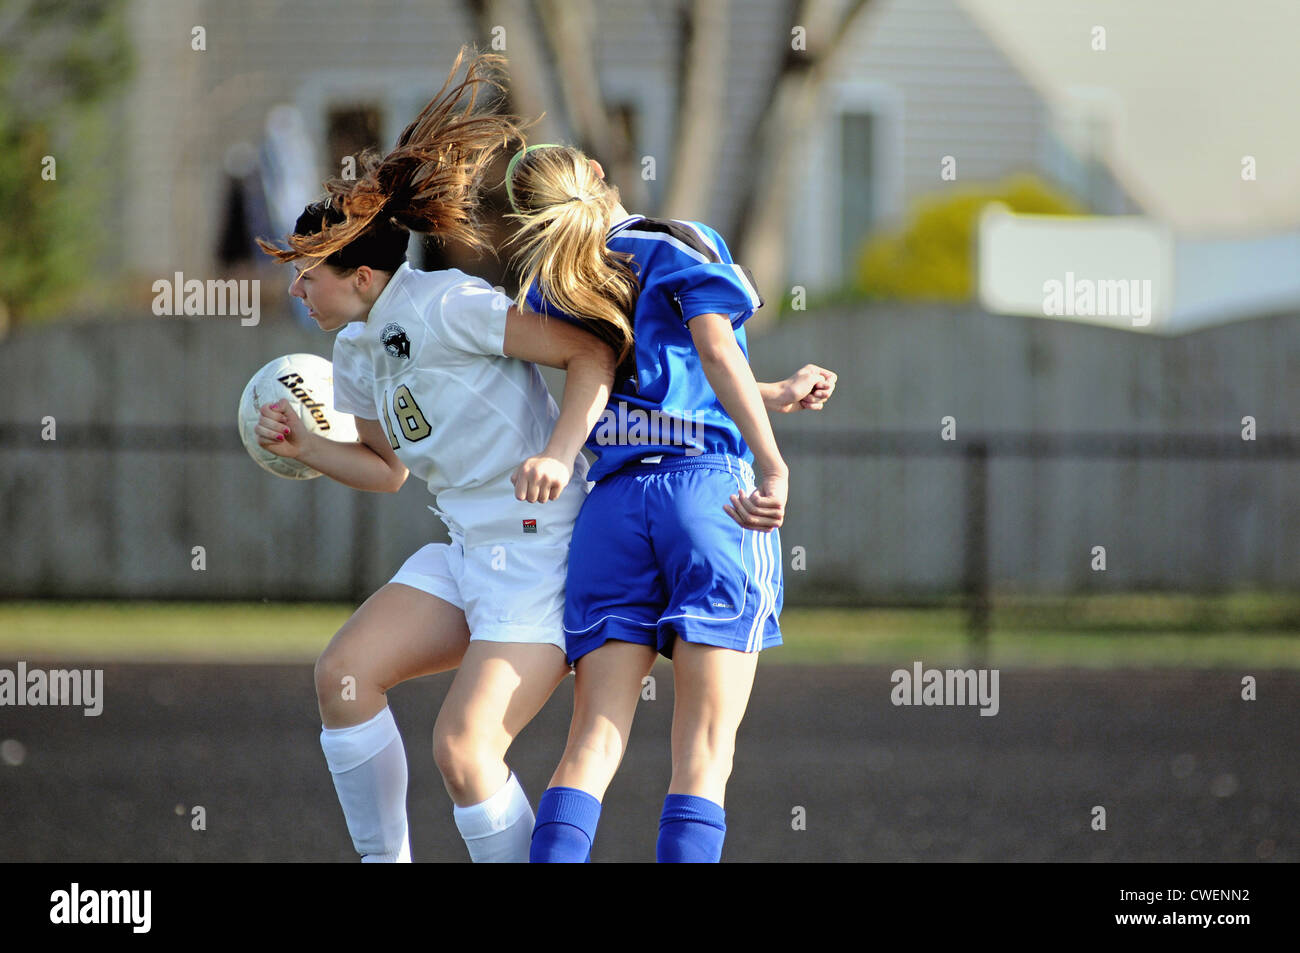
806	389
540	479
764	509
280	431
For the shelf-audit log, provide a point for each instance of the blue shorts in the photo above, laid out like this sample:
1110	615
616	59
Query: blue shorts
654	556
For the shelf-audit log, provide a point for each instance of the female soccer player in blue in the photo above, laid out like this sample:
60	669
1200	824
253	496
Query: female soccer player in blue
676	548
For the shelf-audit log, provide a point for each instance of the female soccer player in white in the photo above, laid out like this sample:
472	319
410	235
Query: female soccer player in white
675	550
441	375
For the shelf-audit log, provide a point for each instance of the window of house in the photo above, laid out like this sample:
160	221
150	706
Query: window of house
350	129
857	184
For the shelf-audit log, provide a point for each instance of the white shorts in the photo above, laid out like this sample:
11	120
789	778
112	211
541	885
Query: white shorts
510	591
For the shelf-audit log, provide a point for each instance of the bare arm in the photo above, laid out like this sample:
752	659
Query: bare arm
806	389
588	365
369	464
732	380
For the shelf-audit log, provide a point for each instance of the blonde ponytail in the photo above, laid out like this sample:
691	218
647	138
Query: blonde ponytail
564	210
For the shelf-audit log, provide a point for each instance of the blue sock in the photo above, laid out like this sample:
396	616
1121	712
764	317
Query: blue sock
565	827
691	830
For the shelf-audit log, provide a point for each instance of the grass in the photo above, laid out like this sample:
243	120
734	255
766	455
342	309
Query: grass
166	631
1255	631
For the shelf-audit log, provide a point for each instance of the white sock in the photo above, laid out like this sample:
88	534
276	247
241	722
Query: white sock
368	763
499	830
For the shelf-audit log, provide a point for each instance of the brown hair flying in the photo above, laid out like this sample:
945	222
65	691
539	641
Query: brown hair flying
430	181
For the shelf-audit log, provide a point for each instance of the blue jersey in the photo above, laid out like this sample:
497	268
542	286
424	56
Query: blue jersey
661	402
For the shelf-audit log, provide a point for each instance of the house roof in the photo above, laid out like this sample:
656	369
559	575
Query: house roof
1184	90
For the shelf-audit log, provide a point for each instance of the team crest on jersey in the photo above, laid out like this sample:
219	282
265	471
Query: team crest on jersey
396	342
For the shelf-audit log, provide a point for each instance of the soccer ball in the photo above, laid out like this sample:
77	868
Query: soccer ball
307	382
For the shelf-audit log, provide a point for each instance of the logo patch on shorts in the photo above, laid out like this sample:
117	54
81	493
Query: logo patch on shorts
395	341
723	605
530	526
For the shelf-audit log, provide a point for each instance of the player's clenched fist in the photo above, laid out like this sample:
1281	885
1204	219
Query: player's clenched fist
806	389
540	479
278	430
764	509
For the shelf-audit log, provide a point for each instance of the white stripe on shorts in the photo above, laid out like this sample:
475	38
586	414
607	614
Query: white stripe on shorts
767	600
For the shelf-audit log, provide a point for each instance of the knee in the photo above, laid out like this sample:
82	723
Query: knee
598	746
336	679
706	751
461	757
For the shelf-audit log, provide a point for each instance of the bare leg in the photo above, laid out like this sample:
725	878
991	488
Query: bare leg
605	699
500	687
711	687
712	691
607	689
399	633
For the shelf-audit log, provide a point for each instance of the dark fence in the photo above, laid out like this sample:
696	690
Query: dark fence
1067	438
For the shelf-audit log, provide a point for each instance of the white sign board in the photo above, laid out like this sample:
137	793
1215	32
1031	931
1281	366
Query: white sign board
1112	270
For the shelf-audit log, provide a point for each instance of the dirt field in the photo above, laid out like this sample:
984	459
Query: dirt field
1186	770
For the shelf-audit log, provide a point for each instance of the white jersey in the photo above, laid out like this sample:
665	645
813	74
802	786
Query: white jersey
429	364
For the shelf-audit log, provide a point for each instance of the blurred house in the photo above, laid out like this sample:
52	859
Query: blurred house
304	83
1181	118
1160	123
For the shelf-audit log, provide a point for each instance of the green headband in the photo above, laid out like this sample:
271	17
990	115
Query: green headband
510	169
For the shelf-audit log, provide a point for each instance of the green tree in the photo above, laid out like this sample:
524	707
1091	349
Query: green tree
60	62
932	257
